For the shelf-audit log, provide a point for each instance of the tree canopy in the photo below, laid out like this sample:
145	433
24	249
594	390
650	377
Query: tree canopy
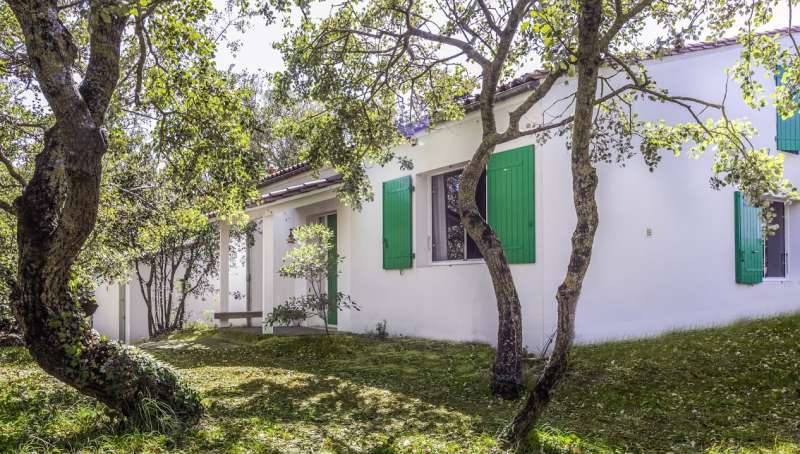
117	118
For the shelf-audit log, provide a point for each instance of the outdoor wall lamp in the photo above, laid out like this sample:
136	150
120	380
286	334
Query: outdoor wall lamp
290	239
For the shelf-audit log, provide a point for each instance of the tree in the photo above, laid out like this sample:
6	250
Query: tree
279	150
97	81
357	63
313	260
187	260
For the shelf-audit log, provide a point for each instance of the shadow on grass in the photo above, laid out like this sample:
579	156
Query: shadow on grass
732	389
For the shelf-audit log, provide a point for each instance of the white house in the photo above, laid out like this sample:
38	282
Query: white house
670	252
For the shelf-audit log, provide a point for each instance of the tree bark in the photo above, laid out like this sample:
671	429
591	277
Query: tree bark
506	380
584	185
57	211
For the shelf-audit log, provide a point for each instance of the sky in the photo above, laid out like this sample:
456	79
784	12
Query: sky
257	55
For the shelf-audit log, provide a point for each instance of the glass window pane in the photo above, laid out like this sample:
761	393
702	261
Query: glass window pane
775	245
438	238
449	239
480	198
455	230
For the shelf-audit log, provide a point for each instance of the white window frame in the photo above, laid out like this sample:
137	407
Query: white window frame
787	246
465	260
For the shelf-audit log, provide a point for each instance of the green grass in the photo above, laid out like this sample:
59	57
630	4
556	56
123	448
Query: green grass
724	390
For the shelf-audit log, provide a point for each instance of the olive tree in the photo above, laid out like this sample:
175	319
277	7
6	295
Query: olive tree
357	63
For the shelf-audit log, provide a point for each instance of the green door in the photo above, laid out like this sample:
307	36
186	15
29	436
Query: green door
333	274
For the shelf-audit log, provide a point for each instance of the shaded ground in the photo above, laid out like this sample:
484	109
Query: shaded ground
733	389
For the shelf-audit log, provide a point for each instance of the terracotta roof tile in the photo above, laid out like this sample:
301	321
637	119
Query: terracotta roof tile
296	189
284	173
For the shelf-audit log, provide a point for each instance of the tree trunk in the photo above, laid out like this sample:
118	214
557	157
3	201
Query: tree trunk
506	378
584	184
57	212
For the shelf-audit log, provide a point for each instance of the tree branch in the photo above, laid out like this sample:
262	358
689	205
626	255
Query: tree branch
489	17
5	206
11	170
106	24
52	56
538	94
621	19
466	47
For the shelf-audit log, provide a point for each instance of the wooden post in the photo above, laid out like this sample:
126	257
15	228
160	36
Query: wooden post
224	271
267	268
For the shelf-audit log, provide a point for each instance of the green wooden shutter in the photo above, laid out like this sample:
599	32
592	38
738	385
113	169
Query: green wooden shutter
749	242
787	130
397	223
511	202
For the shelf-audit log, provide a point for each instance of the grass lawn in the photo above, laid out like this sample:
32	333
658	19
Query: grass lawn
731	389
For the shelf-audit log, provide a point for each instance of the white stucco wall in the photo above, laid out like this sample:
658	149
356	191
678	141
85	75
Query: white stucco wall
106	318
681	276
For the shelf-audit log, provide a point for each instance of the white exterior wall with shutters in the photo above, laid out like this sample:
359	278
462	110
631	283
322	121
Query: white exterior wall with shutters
663	256
664	251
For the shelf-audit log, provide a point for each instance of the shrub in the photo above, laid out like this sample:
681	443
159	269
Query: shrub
312	260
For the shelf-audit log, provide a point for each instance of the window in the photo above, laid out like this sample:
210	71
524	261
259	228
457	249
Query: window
450	240
775	244
787	129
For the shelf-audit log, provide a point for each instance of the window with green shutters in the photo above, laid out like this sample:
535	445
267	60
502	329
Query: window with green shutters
787	130
511	202
749	242
397	252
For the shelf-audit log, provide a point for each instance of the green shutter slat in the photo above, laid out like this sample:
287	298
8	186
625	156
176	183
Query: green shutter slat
511	209
749	242
787	130
397	224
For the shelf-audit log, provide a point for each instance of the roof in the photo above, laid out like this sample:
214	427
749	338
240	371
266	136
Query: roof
724	42
529	81
284	173
301	188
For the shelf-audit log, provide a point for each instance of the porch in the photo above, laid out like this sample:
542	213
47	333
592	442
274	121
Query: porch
249	283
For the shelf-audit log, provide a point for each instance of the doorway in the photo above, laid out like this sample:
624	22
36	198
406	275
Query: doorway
330	221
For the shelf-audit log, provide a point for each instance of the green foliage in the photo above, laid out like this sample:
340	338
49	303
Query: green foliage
720	390
355	88
311	259
179	135
357	64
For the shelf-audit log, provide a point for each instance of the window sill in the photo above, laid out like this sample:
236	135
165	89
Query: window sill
777	280
458	262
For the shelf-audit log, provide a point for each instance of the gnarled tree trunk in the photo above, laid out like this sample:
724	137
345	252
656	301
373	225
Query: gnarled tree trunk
584	184
58	210
506	378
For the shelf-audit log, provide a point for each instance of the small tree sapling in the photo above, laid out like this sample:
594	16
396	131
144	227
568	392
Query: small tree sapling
313	259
